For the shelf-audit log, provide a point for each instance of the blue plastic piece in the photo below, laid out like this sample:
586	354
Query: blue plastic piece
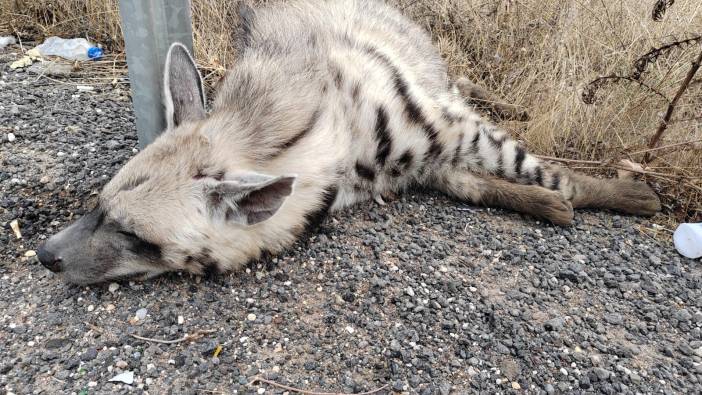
95	53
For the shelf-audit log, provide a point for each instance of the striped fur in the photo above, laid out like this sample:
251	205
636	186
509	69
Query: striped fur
330	104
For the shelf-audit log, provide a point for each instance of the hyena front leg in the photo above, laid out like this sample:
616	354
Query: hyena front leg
493	192
488	101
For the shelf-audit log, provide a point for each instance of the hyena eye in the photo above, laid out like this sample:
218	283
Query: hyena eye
128	234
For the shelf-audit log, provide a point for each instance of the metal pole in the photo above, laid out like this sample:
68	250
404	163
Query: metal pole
149	27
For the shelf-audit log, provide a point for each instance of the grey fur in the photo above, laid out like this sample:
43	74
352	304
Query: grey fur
352	98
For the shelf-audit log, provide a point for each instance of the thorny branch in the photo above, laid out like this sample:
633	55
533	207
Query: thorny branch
591	89
651	56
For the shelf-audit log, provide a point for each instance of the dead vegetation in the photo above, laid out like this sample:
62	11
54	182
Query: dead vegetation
538	54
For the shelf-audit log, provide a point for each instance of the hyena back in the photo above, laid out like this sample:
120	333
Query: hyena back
329	104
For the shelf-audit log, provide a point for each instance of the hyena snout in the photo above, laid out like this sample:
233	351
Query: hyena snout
50	259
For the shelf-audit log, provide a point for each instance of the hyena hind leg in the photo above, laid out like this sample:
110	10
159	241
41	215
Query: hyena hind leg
623	195
494	192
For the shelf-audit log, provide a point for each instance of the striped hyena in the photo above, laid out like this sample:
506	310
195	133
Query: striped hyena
329	104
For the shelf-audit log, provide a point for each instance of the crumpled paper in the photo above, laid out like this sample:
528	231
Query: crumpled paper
31	56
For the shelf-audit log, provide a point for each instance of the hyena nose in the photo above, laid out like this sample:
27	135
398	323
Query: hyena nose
49	260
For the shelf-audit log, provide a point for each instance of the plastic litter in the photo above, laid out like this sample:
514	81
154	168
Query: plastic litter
72	49
7	40
688	240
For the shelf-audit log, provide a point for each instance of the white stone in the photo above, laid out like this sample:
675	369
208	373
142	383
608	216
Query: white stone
113	287
126	378
11	137
141	314
251	317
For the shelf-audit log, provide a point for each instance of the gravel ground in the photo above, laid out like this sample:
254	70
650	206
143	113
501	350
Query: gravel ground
426	295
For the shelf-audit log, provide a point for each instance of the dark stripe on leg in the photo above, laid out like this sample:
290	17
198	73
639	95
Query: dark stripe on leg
500	172
315	218
496	142
383	137
459	147
519	157
406	159
475	143
539	176
365	172
403	164
555	181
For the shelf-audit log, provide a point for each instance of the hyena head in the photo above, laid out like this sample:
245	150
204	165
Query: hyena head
172	206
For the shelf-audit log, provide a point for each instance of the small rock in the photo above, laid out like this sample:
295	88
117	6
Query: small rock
113	287
251	317
56	343
596	360
141	314
554	324
121	364
614	318
683	315
516	386
11	137
126	378
181	320
30	253
14	224
602	374
89	355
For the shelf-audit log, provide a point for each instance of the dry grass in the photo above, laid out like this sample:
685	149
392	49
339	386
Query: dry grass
538	54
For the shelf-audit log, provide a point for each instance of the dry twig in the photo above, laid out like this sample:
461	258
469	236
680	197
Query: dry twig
288	388
187	337
671	106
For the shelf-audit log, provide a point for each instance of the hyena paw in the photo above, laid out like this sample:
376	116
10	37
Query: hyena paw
554	207
637	198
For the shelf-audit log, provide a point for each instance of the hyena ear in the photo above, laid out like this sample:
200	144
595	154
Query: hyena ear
184	95
247	199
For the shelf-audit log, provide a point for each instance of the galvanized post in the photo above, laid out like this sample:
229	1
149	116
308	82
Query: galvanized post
150	26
